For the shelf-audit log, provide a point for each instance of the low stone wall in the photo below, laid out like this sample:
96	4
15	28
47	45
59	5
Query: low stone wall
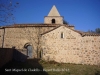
6	55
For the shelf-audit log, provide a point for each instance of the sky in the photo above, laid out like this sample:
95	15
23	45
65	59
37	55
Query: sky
83	14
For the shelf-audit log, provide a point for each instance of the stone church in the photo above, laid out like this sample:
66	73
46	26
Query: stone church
52	41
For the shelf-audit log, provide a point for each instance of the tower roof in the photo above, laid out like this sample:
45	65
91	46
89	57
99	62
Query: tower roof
54	11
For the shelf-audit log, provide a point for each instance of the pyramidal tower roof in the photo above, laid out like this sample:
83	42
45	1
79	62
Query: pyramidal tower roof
54	11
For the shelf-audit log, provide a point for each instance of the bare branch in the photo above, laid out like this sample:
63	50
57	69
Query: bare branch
6	11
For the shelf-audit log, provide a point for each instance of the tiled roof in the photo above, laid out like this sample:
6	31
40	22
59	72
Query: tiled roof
29	25
50	30
33	25
90	34
80	32
50	25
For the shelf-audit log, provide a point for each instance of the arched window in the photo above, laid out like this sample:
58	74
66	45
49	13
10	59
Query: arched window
53	20
29	48
62	35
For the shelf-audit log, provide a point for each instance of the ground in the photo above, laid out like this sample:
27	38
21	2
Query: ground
40	67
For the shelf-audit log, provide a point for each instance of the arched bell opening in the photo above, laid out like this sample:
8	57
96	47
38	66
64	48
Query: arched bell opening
53	21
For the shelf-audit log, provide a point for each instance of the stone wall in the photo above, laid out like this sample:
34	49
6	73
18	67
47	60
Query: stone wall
1	37
58	20
73	48
91	50
19	36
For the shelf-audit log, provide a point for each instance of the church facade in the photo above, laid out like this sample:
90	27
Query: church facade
52	41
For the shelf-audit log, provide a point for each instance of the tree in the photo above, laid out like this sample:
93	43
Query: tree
97	30
65	22
6	11
91	31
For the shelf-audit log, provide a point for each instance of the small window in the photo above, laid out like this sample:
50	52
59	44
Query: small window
62	35
53	20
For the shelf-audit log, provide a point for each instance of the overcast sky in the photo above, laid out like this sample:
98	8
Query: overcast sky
83	14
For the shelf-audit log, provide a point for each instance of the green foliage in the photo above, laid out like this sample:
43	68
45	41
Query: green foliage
50	68
97	73
65	22
97	30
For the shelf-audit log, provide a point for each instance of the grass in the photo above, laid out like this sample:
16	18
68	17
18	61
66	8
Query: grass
71	69
49	68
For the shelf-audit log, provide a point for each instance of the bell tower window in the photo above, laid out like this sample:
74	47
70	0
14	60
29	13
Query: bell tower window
53	21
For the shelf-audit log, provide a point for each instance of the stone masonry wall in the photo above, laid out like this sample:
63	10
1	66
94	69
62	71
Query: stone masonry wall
58	20
91	50
1	37
18	37
72	48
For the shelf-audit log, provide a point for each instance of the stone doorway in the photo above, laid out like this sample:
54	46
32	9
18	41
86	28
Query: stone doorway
29	51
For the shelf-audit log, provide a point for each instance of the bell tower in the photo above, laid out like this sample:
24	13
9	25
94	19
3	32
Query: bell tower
53	17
